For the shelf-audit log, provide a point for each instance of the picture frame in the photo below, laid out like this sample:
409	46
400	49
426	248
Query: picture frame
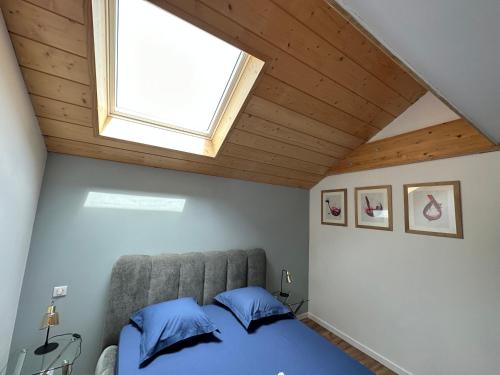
433	209
374	207
334	207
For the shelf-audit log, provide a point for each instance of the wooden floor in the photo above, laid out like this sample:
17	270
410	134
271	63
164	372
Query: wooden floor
358	355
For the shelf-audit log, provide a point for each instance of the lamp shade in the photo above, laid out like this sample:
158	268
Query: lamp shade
288	277
50	318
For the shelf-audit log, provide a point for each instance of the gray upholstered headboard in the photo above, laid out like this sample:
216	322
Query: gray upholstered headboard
141	280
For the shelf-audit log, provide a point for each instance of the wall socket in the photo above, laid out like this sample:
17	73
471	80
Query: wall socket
60	291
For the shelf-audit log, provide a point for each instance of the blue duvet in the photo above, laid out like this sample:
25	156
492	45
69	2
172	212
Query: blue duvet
275	346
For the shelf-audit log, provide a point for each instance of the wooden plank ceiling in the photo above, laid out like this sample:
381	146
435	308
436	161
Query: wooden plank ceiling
326	90
454	138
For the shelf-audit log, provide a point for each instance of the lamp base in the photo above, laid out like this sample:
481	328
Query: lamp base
44	349
284	295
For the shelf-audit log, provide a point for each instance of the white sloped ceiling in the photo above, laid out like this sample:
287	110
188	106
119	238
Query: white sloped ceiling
454	45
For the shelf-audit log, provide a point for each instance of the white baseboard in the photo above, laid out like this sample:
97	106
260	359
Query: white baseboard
365	349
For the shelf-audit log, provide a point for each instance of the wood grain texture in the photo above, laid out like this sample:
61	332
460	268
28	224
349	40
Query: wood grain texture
341	12
216	18
335	29
291	98
39	24
446	140
272	112
326	88
38	56
94	151
53	87
72	9
272	158
57	110
260	126
259	142
347	348
73	132
276	26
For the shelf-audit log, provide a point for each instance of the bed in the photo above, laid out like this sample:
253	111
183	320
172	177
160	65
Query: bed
272	346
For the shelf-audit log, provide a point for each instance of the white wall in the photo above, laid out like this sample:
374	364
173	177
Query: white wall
22	160
429	304
427	111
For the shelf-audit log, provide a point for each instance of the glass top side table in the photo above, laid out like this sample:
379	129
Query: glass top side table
58	361
293	306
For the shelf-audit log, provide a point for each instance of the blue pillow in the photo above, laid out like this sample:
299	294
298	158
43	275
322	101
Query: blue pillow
251	303
166	323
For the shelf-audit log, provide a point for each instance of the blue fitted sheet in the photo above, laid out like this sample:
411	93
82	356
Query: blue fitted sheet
285	345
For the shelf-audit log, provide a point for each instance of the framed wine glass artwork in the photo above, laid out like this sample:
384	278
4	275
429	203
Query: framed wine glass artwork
374	207
334	207
433	209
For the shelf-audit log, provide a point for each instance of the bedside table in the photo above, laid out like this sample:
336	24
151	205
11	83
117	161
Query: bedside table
293	306
57	362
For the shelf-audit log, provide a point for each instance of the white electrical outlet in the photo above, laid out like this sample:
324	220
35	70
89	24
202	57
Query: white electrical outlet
60	291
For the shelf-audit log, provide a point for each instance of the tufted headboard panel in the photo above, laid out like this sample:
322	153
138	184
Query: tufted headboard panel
141	280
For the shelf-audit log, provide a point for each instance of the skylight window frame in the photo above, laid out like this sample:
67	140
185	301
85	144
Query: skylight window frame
124	114
238	90
223	100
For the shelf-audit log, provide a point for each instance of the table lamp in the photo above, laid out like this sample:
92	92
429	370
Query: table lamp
50	319
288	278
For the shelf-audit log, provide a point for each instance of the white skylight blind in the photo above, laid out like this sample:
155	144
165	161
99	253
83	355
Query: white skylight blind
163	82
168	72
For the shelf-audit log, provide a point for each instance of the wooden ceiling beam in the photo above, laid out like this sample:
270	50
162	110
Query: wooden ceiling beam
455	138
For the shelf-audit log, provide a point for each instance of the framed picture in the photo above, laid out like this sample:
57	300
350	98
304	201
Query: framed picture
374	207
434	209
334	207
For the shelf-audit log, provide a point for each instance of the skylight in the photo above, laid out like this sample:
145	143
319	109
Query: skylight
164	82
168	71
